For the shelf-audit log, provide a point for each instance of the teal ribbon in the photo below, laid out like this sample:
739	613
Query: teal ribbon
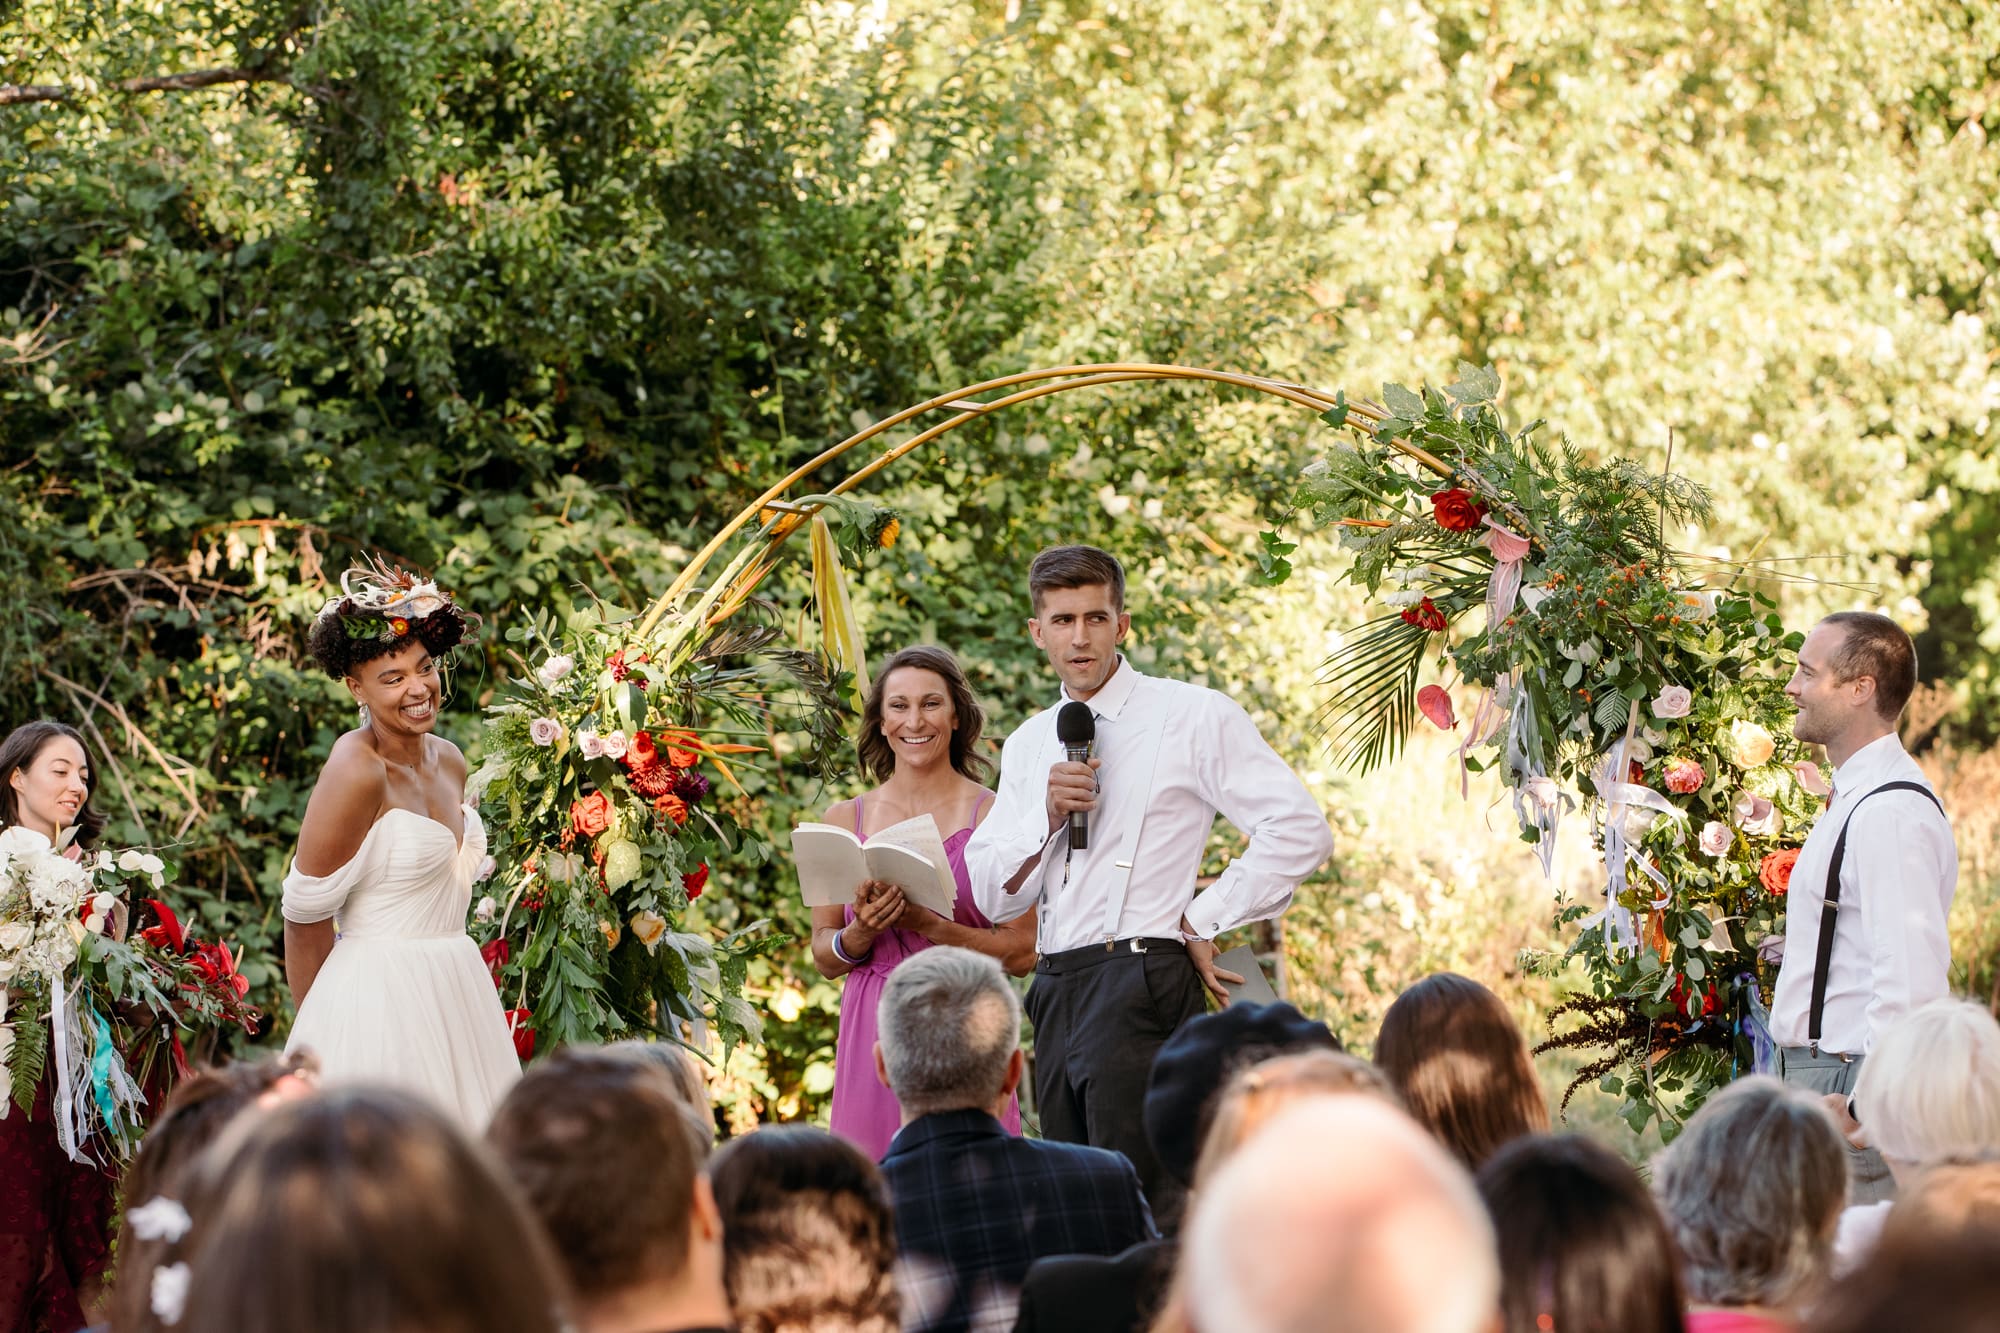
100	1067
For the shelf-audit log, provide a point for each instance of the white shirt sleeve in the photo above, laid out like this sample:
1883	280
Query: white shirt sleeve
1016	829
1900	848
1249	785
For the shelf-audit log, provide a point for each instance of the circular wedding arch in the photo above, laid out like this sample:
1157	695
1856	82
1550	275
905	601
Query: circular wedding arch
966	405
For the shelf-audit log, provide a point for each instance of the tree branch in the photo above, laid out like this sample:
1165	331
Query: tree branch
10	94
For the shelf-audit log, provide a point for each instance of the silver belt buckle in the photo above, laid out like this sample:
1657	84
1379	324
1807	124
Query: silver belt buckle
1135	946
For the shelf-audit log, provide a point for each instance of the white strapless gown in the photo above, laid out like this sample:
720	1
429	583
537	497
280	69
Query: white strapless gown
404	999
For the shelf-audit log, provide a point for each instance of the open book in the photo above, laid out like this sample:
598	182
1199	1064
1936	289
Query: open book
833	862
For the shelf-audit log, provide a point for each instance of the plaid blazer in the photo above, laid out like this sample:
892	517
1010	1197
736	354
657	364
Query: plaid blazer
975	1206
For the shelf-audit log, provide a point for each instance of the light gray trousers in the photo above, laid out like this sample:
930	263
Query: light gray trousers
1868	1178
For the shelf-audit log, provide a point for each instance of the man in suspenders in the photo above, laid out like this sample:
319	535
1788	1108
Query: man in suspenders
1126	943
1865	938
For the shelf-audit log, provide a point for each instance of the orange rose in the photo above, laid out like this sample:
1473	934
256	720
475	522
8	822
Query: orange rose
680	758
640	752
673	807
1776	869
591	815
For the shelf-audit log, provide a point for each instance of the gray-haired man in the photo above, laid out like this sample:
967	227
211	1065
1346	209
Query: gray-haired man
974	1205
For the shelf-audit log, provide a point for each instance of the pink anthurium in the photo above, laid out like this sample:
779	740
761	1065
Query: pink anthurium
1434	703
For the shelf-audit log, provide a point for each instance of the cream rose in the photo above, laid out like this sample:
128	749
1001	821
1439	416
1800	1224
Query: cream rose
1673	701
1715	837
1749	744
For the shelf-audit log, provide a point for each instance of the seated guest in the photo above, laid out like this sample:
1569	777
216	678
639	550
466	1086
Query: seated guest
1947	1198
683	1070
357	1208
199	1109
974	1205
1187	1081
1583	1247
1752	1191
1251	1097
1929	1091
808	1246
1339	1213
635	1227
1936	1267
1455	1056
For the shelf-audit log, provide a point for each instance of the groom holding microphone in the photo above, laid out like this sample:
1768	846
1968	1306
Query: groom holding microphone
1106	803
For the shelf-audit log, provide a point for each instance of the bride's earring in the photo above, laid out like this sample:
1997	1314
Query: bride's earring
364	715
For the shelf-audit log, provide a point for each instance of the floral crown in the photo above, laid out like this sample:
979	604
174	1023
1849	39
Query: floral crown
383	603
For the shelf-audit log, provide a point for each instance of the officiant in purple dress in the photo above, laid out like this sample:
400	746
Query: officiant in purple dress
919	741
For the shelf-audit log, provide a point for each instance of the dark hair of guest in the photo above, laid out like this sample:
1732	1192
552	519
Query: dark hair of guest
879	760
1453	1053
1582	1244
24	744
807	1237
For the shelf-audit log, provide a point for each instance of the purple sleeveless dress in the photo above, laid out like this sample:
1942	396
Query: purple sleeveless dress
865	1112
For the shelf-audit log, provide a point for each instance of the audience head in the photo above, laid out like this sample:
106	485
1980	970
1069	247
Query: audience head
1751	1191
360	1208
1259	1091
1582	1246
682	1068
1453	1053
948	1032
610	1158
916	680
1190	1070
46	781
1930	1089
1340	1213
1937	1280
196	1113
808	1242
1948	1198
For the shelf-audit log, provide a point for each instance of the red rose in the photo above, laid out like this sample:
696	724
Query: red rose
1775	871
695	882
1426	616
673	807
591	815
680	758
640	752
496	953
1456	511
524	1036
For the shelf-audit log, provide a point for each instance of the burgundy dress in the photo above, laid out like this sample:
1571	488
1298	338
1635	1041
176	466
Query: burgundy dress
864	1111
55	1223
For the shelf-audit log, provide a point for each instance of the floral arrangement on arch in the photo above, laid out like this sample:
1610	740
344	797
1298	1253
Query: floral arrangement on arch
91	1002
1604	676
611	787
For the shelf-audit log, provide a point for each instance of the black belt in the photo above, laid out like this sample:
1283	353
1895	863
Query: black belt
1090	955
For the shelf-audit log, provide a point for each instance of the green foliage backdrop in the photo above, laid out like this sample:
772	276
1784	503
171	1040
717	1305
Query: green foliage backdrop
536	292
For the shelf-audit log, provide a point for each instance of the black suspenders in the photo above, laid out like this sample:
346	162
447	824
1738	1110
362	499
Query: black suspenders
1829	912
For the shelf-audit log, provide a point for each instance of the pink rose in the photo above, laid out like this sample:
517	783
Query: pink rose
544	731
1756	816
1673	701
1715	837
1685	777
1811	778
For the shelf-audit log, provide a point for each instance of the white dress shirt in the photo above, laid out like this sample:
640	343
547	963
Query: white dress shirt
1890	947
1201	755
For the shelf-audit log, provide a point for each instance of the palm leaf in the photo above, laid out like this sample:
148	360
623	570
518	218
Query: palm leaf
1373	679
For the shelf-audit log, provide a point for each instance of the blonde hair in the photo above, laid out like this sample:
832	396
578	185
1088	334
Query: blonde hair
1930	1088
1260	1091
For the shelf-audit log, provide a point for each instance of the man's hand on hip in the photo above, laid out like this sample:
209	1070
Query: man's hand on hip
1202	954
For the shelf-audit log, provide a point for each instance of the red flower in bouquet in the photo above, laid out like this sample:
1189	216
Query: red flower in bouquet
1684	777
1435	703
218	968
496	953
640	752
1426	616
167	936
1455	510
695	881
654	781
680	758
1775	870
591	815
524	1036
673	807
1682	996
620	668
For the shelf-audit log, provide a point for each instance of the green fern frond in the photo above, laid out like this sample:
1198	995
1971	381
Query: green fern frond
27	1059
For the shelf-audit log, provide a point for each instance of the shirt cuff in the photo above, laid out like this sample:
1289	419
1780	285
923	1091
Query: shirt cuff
1209	912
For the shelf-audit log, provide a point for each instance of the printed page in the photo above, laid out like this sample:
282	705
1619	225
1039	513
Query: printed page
829	862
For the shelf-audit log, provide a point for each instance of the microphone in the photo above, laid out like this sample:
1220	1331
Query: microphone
1076	728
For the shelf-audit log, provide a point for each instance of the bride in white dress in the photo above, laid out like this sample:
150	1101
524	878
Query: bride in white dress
390	989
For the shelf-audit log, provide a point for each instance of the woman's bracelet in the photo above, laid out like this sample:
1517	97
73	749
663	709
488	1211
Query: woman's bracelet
846	957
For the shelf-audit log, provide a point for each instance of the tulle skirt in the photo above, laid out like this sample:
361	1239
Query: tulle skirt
416	1014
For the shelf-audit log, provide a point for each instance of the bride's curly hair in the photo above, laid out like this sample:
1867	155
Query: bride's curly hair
379	610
